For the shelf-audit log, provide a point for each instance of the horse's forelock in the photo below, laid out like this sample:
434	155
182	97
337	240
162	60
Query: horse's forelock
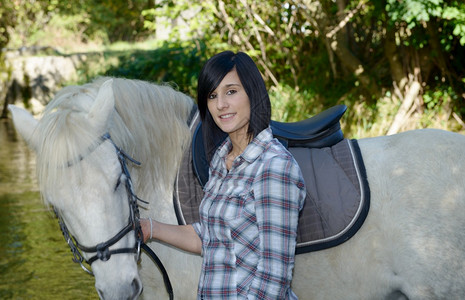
64	136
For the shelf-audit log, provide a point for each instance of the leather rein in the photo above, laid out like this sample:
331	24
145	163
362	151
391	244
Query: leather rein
102	250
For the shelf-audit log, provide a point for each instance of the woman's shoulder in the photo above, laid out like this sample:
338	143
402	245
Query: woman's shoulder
278	162
276	158
276	150
271	146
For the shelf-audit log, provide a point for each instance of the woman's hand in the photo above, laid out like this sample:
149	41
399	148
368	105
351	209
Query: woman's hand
147	230
181	236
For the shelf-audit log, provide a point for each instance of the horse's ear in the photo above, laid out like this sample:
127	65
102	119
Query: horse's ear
103	106
25	124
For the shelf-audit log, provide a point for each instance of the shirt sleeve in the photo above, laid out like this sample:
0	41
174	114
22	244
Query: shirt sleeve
197	229
279	193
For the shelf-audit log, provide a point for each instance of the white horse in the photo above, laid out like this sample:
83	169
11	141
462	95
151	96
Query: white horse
411	246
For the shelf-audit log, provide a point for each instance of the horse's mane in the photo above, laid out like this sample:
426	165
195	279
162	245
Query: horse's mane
149	123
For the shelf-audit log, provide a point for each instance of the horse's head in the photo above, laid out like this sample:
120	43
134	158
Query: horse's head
82	175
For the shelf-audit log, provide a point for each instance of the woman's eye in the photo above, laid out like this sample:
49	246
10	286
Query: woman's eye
230	92
212	96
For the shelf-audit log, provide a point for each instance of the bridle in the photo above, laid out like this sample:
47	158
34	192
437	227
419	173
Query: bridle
102	250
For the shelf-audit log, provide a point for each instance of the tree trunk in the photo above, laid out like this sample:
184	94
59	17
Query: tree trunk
392	54
355	66
340	46
437	53
403	112
4	114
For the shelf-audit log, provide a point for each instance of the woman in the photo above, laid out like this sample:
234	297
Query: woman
249	213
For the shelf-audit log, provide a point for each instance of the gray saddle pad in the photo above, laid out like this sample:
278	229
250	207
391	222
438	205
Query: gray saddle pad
337	200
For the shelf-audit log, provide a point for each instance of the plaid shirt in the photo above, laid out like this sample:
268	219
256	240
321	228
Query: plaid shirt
248	222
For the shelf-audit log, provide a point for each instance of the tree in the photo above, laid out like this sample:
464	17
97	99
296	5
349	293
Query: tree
407	55
406	48
7	21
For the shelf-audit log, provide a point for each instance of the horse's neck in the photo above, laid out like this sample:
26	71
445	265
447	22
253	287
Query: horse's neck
153	129
160	155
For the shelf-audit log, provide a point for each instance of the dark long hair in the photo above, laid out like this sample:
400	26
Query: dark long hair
212	73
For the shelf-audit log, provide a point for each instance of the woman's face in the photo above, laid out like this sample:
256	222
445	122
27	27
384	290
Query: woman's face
229	105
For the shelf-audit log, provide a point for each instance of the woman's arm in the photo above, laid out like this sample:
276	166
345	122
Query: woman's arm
279	193
181	236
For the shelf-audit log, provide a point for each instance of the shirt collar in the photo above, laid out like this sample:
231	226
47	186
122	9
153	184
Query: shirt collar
253	150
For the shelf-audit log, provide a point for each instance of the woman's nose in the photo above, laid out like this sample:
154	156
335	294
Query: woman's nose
222	103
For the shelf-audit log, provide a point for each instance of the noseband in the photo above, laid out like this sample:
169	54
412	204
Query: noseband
102	250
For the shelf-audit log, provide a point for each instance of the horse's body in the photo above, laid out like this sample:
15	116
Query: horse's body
411	246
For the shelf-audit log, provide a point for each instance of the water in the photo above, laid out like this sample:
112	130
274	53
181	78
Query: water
35	261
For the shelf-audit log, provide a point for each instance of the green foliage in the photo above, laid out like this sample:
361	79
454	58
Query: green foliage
22	18
441	96
176	63
67	32
420	12
413	12
312	53
291	105
120	20
456	16
7	21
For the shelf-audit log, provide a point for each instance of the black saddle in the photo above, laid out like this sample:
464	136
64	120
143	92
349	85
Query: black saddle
321	130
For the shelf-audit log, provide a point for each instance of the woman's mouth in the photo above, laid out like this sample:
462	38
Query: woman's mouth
227	116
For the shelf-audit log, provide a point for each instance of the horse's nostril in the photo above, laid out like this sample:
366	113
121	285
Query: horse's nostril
136	287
